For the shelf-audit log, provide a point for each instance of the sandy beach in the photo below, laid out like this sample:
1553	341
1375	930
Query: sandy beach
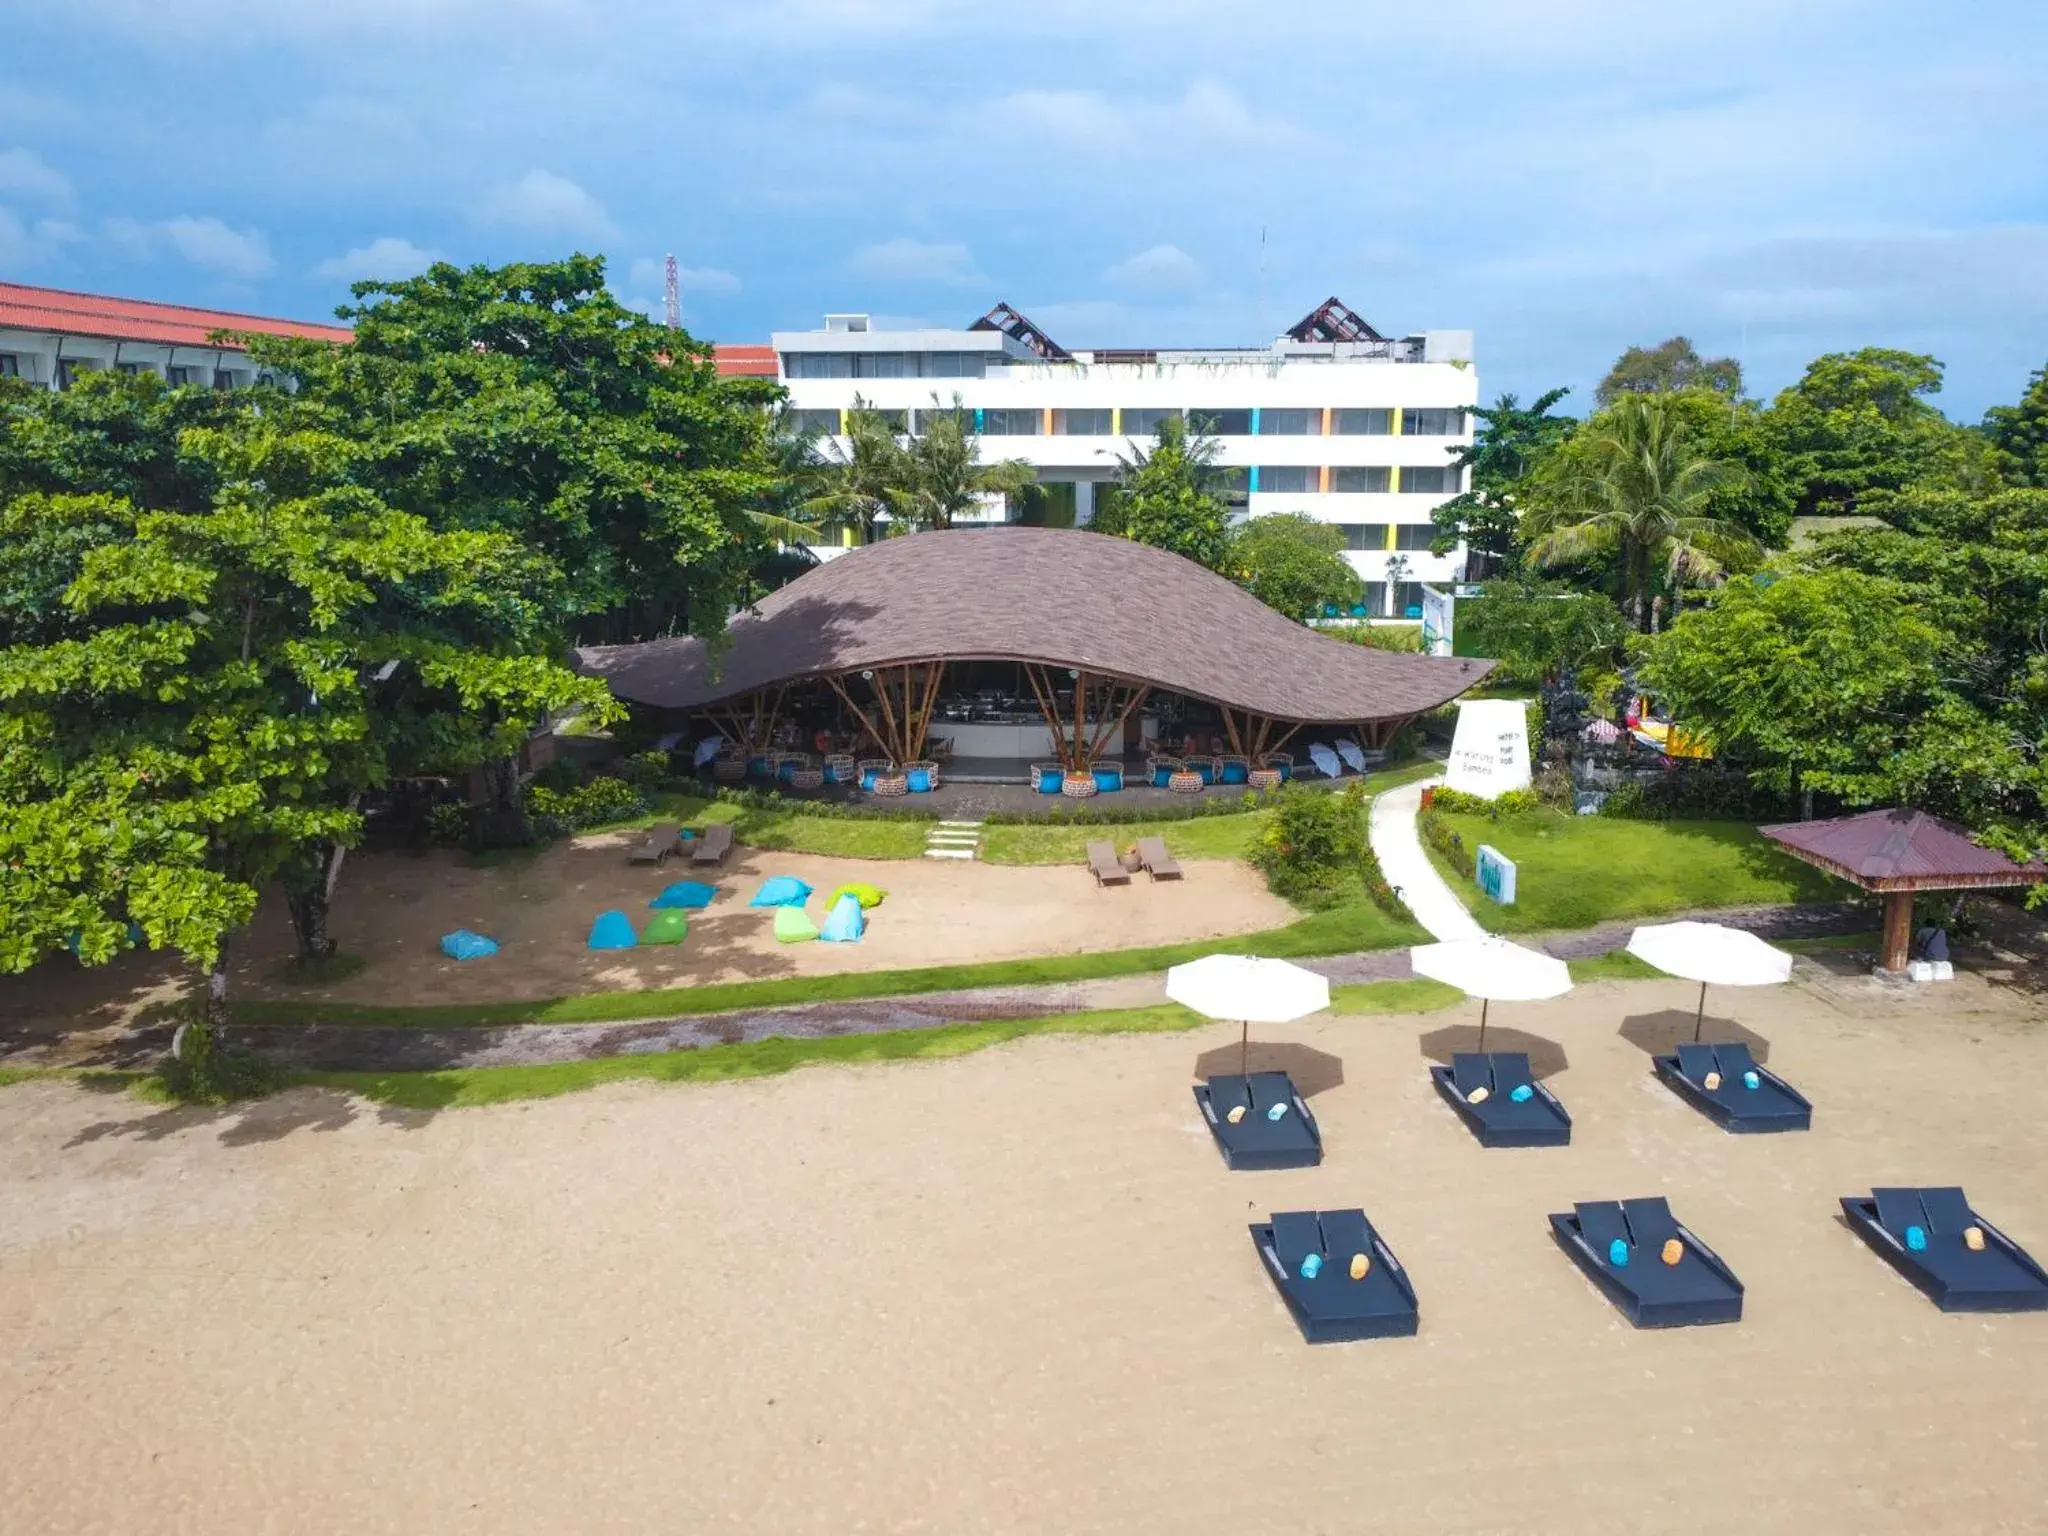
1013	1293
394	908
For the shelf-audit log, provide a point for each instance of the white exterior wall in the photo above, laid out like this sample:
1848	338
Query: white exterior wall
1259	381
37	353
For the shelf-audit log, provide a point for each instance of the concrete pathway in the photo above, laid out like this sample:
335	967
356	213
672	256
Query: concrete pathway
1407	869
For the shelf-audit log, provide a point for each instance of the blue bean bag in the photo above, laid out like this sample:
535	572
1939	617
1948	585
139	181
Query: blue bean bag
781	891
846	924
685	893
464	945
613	930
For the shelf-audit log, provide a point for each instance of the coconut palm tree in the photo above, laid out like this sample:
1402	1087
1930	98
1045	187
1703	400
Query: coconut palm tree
942	477
856	482
1631	484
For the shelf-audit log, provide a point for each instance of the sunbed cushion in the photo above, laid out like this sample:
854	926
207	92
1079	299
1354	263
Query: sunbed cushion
1696	1061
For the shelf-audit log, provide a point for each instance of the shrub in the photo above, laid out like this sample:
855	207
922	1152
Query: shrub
449	823
601	800
1088	814
559	774
645	771
1438	834
200	1070
1313	852
1512	803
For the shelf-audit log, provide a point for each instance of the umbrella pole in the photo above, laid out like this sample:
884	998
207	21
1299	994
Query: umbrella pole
1483	1004
1244	1053
1700	1018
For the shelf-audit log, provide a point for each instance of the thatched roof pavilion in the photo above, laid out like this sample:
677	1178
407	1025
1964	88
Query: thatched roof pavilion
1105	618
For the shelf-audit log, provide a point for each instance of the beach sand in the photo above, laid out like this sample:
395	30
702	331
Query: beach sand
1013	1293
393	909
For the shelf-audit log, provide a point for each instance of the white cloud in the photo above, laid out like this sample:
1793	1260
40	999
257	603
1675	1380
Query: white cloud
1206	113
1159	269
24	244
542	203
204	242
388	256
24	174
904	260
649	274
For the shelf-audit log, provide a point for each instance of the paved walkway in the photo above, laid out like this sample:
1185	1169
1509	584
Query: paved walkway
1407	869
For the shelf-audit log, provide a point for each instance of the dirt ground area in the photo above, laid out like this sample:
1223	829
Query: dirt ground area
1013	1292
393	909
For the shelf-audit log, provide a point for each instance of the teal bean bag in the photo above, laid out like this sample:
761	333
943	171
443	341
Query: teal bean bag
846	924
464	945
613	930
688	894
781	891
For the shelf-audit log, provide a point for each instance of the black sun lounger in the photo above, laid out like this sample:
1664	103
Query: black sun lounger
1256	1142
1699	1288
1333	1307
2002	1277
1772	1105
1497	1120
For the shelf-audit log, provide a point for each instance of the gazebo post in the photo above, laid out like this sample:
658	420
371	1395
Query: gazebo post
1898	931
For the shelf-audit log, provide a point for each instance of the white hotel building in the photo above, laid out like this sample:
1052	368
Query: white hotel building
1333	419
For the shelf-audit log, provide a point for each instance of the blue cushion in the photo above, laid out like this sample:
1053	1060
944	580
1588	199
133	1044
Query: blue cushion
1235	773
1207	771
1049	784
867	780
781	891
685	893
613	930
1109	780
464	945
919	781
1161	777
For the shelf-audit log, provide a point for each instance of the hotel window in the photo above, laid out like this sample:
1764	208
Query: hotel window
1413	536
955	365
10	366
1362	423
1376	597
817	365
1081	423
1433	482
1143	421
1209	423
1374	477
68	372
1012	423
1431	422
1408	600
1286	479
179	377
1233	483
130	370
898	421
824	423
921	421
882	365
1290	423
1364	535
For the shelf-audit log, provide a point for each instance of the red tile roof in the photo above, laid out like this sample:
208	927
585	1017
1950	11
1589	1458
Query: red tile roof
1901	850
747	361
90	314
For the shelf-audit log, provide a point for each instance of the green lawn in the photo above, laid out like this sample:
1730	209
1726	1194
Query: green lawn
470	1086
1200	837
1615	965
1341	930
844	837
1577	871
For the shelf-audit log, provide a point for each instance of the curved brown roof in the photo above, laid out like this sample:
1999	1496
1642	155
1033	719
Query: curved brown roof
1901	850
1062	597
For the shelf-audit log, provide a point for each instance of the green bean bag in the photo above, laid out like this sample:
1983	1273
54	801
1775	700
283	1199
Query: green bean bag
668	926
793	926
867	895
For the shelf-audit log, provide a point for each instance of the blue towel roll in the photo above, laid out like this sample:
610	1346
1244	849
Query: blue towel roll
1311	1266
1916	1239
1523	1093
1276	1111
1617	1254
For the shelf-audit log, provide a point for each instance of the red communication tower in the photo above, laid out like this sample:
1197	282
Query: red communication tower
673	295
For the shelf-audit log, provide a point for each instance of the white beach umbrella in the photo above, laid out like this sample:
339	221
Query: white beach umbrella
1711	954
1492	970
1248	989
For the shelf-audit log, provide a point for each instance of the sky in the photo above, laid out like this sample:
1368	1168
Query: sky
1773	178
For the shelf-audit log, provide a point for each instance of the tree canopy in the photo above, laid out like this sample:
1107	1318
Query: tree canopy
1505	447
1294	564
1167	497
1859	425
2018	435
1665	368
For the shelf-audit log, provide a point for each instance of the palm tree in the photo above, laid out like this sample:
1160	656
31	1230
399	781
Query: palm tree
942	476
856	481
1631	484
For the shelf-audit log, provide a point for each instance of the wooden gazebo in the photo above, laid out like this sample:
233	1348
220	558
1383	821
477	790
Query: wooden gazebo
1899	854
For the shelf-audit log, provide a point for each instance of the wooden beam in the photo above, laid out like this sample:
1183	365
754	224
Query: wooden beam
858	713
1898	931
889	742
1073	760
1139	693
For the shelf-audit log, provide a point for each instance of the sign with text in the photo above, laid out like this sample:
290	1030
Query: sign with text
1489	749
1436	622
1496	874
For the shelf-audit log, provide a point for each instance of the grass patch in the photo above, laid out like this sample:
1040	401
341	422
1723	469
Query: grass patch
1615	965
1579	871
471	1086
319	971
1341	930
1827	943
1416	995
839	837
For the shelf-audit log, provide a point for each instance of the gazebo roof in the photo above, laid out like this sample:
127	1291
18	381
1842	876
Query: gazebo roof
1901	850
1063	598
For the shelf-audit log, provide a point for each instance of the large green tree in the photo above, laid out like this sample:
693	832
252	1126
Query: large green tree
1633	487
1859	426
1166	496
212	720
527	400
1292	563
1667	367
2019	435
1505	447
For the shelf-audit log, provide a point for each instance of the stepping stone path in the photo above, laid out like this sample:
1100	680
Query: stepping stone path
953	840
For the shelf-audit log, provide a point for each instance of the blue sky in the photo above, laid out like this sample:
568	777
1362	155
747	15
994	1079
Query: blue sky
1775	178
